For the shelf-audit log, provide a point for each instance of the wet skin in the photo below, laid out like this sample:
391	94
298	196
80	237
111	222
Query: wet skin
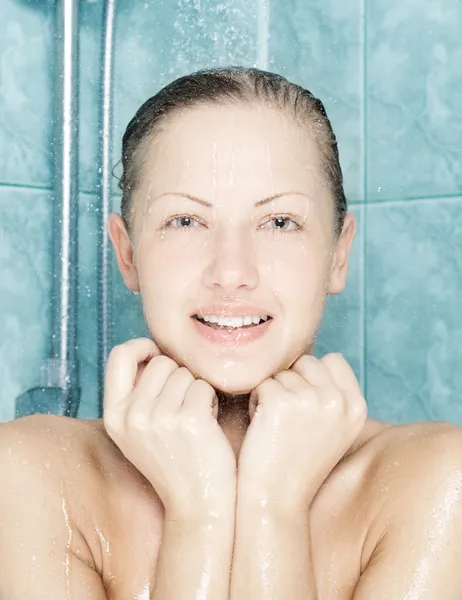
76	516
78	520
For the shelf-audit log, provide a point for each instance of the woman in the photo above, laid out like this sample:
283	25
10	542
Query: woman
228	453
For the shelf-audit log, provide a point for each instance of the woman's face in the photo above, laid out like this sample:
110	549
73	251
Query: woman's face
233	219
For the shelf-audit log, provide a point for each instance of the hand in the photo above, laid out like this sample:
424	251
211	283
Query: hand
165	422
303	421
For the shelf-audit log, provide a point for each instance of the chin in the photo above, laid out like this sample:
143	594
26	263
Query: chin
234	388
231	377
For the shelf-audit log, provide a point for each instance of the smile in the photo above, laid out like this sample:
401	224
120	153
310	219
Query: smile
231	331
231	322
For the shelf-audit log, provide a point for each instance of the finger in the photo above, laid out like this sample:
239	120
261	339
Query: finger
173	393
291	380
200	398
341	373
253	399
154	377
313	371
267	393
122	368
144	398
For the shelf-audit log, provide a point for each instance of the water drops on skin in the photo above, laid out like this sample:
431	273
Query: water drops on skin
103	540
143	594
438	529
206	578
68	544
231	171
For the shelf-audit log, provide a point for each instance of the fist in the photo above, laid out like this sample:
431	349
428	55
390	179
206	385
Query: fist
303	420
165	422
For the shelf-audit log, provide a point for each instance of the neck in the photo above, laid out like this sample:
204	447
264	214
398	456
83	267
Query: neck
233	417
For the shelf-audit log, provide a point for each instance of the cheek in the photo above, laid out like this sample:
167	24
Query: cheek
167	269
296	272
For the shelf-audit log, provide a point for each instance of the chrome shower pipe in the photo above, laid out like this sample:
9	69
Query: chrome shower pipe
59	391
104	196
63	369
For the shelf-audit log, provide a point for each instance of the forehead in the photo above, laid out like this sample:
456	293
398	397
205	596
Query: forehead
232	145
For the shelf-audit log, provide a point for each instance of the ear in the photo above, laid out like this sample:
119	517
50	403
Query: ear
124	251
339	269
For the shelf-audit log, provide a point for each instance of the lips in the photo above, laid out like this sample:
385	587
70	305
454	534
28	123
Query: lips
228	310
215	325
230	336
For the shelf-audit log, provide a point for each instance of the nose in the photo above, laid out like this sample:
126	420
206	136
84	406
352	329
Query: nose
232	265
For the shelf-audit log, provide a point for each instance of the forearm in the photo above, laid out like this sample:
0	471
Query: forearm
195	559
272	555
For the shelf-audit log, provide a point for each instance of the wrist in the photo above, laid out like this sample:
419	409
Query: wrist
202	516
277	503
212	530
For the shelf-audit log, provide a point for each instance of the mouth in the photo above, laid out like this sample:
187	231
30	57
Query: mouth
230	324
231	331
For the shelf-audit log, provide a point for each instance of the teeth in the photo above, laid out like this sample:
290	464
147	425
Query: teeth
232	321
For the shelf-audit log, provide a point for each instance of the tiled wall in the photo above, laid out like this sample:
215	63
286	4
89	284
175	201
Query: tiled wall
389	74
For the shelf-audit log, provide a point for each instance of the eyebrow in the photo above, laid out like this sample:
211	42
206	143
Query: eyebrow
257	204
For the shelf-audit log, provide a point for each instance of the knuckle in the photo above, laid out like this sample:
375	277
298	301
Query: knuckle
184	373
163	361
333	358
199	385
112	421
136	419
358	407
117	352
308	359
189	423
265	387
335	399
306	397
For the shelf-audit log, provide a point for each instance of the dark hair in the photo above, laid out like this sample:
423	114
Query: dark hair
231	85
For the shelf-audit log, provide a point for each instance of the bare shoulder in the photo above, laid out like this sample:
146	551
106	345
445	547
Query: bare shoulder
66	451
74	466
56	448
390	474
406	470
77	456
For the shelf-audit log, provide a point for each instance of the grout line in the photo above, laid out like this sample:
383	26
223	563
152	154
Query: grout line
416	200
364	149
44	188
372	202
25	186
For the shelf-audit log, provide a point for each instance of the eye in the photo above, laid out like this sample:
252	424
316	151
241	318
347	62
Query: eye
182	222
282	223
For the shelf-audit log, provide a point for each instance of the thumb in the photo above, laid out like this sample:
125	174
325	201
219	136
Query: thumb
215	406
253	401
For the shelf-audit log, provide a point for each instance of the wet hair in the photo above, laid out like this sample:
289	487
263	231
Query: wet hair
230	85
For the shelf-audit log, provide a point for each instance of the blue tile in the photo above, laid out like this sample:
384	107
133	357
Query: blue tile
25	102
27	111
414	95
25	287
319	46
127	317
342	325
413	307
25	291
